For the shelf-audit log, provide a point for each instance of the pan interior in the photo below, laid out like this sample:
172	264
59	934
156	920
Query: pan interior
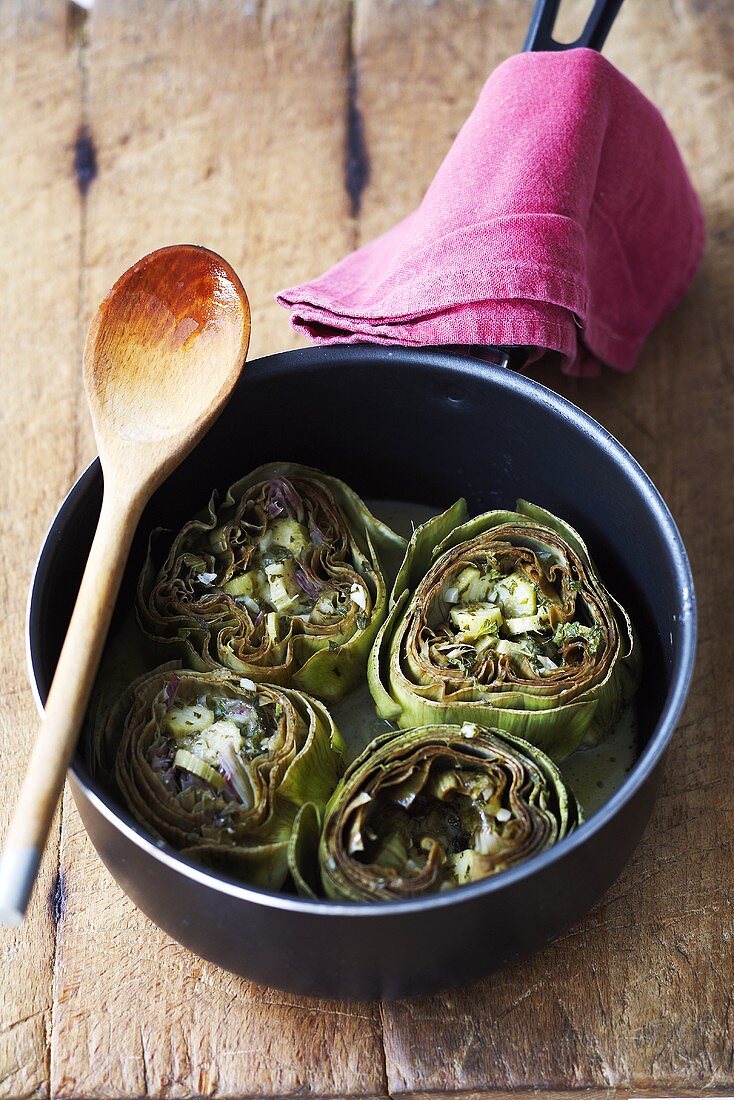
411	427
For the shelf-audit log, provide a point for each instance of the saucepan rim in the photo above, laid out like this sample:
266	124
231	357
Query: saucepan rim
681	673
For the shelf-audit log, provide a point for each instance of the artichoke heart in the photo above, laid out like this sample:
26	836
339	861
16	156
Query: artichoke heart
221	769
503	620
281	581
438	807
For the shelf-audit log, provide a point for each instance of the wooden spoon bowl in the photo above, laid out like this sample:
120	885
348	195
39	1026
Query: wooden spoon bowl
163	352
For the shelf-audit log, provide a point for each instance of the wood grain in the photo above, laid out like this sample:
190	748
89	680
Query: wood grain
39	275
231	135
421	66
231	123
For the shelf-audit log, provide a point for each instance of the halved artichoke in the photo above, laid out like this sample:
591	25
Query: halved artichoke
433	808
503	620
232	774
281	582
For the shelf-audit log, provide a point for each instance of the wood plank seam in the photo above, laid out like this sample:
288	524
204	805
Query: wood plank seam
40	90
77	28
356	164
85	168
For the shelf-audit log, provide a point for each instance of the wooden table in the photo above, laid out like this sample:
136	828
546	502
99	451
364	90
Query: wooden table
231	123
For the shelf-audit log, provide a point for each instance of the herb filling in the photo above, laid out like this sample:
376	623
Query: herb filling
487	615
211	741
278	564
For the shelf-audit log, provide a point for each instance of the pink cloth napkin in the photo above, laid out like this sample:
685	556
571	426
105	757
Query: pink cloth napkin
562	218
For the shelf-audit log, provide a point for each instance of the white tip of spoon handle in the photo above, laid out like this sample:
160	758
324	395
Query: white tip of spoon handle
18	870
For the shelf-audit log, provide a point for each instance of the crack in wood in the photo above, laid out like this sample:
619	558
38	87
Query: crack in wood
356	164
76	23
85	170
22	1020
85	166
57	897
144	1057
274	1002
85	160
383	1048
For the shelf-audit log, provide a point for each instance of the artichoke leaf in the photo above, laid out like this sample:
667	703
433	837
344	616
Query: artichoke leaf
509	624
227	795
315	770
386	704
436	807
422	544
303	846
280	581
336	669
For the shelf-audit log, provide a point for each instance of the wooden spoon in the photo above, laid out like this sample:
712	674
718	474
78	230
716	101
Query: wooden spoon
164	350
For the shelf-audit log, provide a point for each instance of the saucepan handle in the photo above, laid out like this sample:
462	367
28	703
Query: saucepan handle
540	37
514	356
593	36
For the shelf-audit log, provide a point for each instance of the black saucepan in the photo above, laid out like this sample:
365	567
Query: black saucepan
420	426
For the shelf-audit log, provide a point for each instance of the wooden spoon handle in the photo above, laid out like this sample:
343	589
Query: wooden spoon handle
66	705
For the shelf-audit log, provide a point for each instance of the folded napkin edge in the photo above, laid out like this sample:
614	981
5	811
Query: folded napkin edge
465	287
